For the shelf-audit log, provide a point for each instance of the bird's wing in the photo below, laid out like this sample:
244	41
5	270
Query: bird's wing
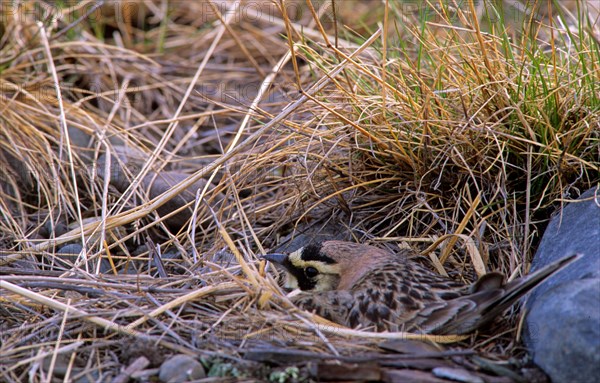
403	297
487	298
332	305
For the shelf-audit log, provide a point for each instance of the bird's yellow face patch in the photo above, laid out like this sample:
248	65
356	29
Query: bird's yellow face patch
310	273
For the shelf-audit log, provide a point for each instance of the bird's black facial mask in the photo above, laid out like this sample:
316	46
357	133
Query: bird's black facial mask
307	269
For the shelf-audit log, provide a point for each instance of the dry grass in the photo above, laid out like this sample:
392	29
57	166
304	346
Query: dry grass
458	129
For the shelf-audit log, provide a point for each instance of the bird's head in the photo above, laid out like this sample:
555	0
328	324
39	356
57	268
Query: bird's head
324	266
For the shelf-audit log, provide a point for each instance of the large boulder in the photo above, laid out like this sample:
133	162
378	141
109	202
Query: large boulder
563	314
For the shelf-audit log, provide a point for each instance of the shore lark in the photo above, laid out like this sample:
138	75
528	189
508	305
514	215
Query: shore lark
364	286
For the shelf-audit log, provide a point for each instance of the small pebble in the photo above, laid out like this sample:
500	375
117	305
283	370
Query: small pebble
60	367
105	266
456	374
67	255
54	229
72	249
181	368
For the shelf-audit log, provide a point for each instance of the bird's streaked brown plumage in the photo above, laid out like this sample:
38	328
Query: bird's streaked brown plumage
361	285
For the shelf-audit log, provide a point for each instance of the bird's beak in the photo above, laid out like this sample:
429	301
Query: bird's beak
276	257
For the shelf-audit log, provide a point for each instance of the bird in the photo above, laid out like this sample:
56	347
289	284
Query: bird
366	287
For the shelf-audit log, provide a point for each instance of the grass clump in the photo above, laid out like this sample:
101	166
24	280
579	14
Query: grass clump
401	122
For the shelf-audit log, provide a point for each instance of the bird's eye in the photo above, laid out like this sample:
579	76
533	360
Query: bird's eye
311	272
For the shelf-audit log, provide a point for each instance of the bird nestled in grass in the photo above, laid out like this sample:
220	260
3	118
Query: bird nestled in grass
361	285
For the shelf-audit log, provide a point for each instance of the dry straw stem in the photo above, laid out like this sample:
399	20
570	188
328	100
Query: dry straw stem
192	296
98	321
58	341
266	83
475	256
54	304
143	210
470	248
63	123
403	125
346	332
166	136
67	349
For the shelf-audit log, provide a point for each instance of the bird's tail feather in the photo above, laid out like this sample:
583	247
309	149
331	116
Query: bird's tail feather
496	304
516	289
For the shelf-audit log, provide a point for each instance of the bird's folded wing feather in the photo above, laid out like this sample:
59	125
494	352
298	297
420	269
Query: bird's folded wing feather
331	305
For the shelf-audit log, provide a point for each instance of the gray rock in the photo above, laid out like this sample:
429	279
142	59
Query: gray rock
60	366
71	251
563	322
563	331
127	164
83	142
65	256
181	368
68	253
105	266
55	229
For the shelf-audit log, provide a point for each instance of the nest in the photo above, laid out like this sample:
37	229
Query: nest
152	152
